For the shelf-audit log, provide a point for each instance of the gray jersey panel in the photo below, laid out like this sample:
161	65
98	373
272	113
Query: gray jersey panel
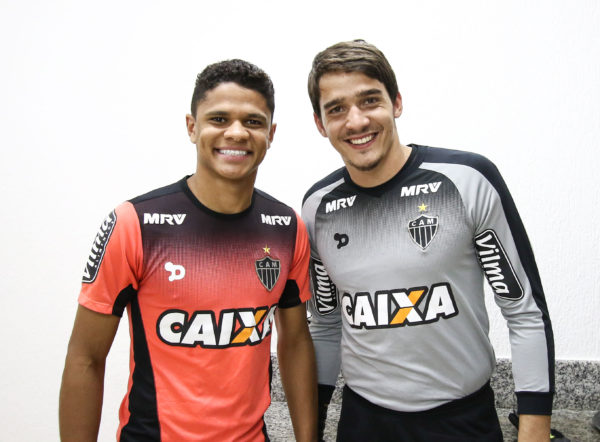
325	328
524	318
405	262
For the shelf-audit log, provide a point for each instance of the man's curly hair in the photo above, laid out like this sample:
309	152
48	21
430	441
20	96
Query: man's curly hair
236	71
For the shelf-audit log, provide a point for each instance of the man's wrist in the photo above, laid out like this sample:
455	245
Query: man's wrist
325	392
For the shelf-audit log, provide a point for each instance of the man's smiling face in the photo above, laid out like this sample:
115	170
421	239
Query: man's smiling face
358	117
232	131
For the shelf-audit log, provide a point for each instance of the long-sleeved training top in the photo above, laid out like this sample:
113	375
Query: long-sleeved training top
397	275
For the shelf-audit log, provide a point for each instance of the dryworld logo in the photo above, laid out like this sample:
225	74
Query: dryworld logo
176	271
342	240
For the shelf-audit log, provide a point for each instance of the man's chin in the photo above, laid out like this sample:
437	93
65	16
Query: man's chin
366	166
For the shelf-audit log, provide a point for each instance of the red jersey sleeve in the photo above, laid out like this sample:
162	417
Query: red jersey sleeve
297	289
113	270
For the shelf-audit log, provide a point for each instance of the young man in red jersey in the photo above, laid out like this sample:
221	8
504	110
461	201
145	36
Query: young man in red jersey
203	266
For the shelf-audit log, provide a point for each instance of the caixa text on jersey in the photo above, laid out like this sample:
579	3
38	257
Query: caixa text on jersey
399	307
235	327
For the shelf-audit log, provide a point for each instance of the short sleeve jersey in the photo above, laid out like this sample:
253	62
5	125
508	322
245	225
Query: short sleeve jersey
399	269
201	290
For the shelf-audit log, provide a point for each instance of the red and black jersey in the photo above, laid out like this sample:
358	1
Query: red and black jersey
201	289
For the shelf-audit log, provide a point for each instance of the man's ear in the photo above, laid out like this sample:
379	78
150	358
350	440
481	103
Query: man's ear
271	134
320	126
190	123
398	105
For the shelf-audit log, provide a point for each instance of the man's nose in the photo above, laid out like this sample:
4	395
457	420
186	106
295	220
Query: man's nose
236	131
356	119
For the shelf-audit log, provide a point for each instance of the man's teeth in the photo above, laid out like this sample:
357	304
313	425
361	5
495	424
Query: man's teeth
362	140
238	153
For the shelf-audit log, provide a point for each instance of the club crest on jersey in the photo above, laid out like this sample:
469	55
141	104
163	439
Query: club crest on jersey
268	270
99	247
423	229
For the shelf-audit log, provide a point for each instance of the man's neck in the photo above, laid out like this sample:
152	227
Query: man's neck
222	196
385	171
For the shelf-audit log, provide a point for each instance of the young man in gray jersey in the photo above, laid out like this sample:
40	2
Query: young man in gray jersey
401	240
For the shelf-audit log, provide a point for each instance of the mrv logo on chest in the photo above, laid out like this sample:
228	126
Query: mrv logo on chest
171	219
275	220
496	266
340	203
419	189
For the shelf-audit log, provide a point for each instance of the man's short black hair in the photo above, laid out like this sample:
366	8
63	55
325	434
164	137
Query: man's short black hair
236	71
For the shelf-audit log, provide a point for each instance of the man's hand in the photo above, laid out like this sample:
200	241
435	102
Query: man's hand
324	394
534	428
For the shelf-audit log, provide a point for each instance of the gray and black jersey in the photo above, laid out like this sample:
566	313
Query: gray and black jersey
398	275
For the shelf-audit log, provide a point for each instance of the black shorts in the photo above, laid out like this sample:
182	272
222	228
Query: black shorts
472	418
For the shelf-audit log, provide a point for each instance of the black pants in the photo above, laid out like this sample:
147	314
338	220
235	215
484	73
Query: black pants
472	418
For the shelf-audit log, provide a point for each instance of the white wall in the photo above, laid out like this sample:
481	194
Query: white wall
92	105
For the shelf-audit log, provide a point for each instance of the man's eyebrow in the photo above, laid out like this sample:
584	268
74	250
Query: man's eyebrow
365	93
368	92
254	115
333	103
216	113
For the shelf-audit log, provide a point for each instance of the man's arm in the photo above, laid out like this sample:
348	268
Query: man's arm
502	246
534	428
81	392
326	333
296	357
325	317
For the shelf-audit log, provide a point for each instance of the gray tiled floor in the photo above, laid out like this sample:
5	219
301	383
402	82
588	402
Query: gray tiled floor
576	425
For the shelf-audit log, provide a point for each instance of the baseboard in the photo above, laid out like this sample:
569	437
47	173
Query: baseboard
577	385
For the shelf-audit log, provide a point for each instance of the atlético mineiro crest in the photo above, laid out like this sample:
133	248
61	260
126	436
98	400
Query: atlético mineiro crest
268	270
423	229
